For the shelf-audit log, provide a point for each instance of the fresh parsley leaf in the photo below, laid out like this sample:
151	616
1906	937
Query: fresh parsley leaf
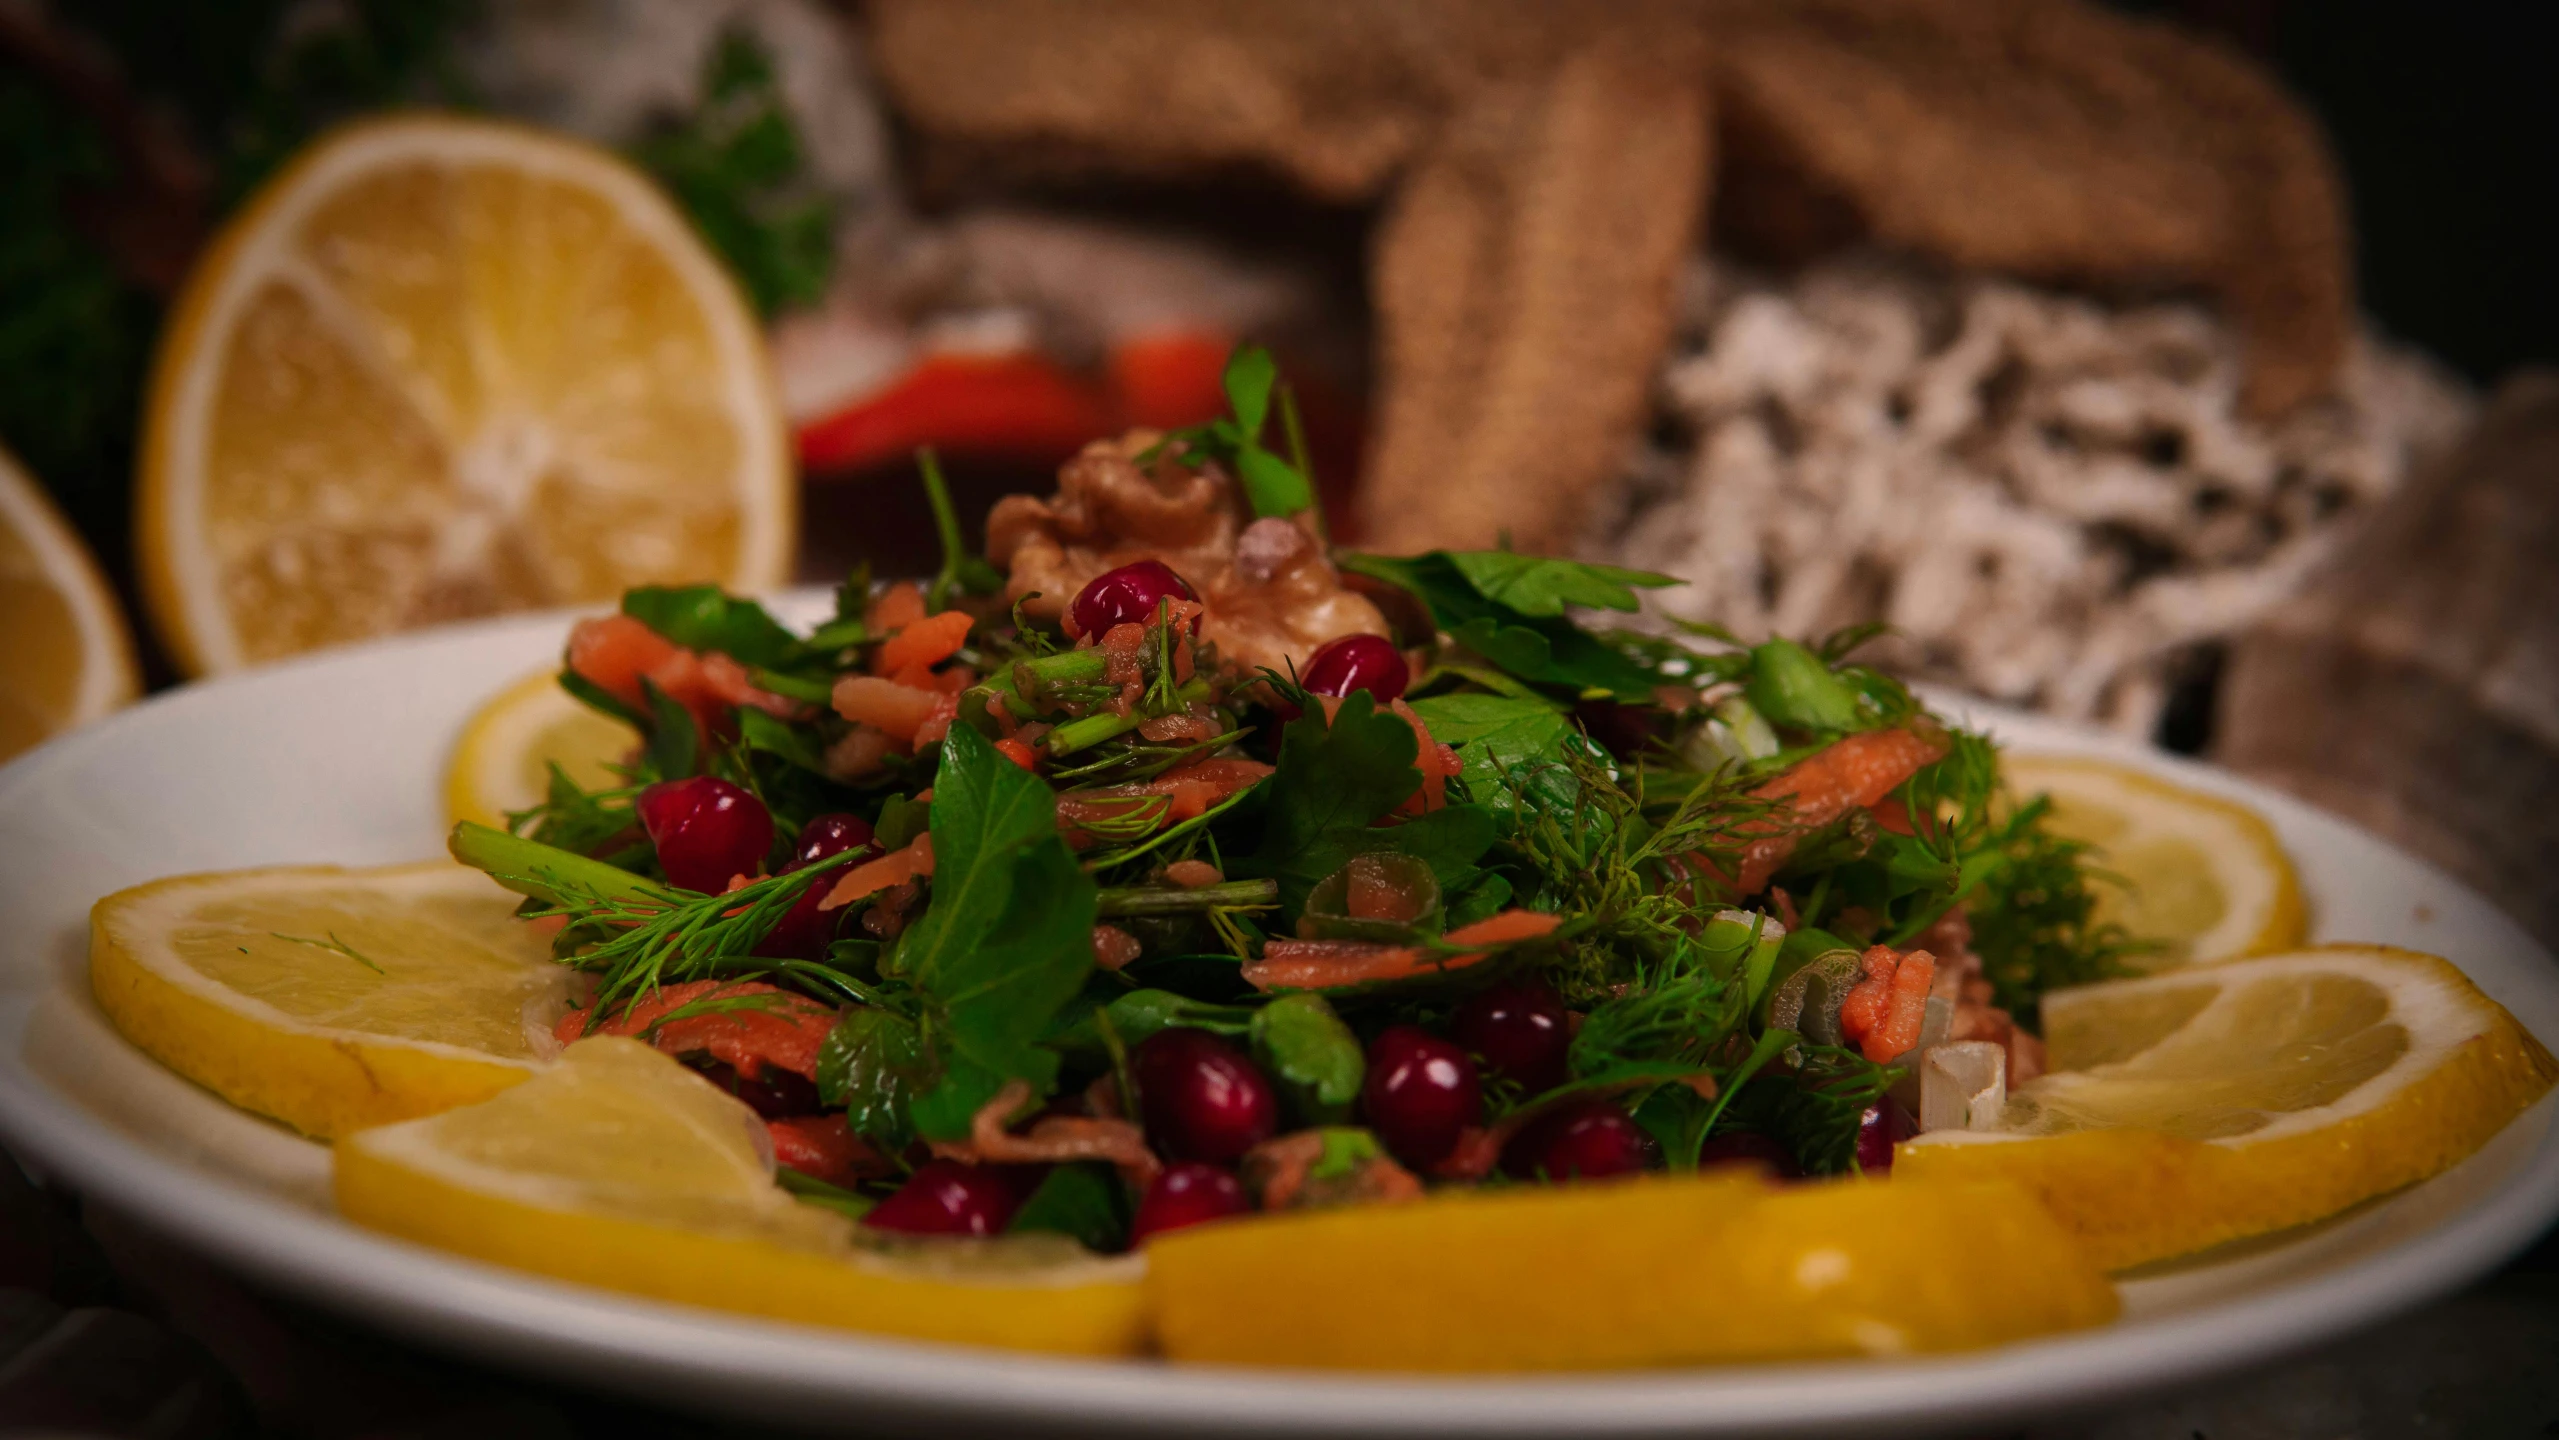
1791	686
1555	652
1313	1055
1541	585
1250	374
1008	937
704	617
596	697
1332	783
760	731
946	1111
1273	485
737	168
675	741
1541	648
1494	734
1450	840
1084	1201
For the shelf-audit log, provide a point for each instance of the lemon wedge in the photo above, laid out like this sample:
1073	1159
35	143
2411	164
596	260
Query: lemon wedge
618	1167
2205	878
65	656
325	998
504	760
2221	1101
443	367
1660	1271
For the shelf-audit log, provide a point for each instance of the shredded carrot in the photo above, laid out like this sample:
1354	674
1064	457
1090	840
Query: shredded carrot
616	652
1318	964
927	642
1428	760
785	1030
1883	1013
1019	753
1193	789
1848	774
899	711
872	876
897	607
824	1147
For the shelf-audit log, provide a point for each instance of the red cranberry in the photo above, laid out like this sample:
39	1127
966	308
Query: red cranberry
804	930
707	831
945	1197
1748	1147
1201	1098
1356	662
1882	1127
1187	1193
1421	1090
1519	1029
829	835
1131	595
1585	1140
774	1093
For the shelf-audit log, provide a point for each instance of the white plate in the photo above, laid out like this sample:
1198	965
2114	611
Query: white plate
338	758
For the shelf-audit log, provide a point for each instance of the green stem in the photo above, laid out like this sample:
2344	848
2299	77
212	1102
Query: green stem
1295	429
1159	900
946	524
529	867
1092	730
1066	667
792	687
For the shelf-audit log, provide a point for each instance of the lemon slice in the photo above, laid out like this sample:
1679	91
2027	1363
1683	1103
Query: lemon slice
329	999
2205	877
443	367
618	1167
65	658
504	760
2220	1101
1661	1271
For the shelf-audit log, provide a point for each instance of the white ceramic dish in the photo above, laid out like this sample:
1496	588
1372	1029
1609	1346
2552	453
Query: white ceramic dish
338	758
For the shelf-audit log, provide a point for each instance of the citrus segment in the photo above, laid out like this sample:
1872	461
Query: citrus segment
619	1168
2217	1102
329	999
445	367
2205	878
1663	1271
65	657
504	760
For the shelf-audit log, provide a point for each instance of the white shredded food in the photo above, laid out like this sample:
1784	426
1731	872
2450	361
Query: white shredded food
2049	500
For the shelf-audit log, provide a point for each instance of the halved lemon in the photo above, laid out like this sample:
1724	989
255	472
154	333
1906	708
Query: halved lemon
326	998
2221	1101
504	760
1661	1271
443	367
2205	878
65	656
620	1168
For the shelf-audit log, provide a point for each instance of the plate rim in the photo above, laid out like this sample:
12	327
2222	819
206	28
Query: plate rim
702	1360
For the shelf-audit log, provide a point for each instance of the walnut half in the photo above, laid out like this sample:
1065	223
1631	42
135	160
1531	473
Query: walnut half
1272	596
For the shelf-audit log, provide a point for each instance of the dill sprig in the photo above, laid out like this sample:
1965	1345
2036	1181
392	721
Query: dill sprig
2034	916
700	938
1134	819
1594	853
1197	824
637	934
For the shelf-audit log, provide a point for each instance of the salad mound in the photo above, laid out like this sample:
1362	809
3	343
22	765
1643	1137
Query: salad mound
1166	864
